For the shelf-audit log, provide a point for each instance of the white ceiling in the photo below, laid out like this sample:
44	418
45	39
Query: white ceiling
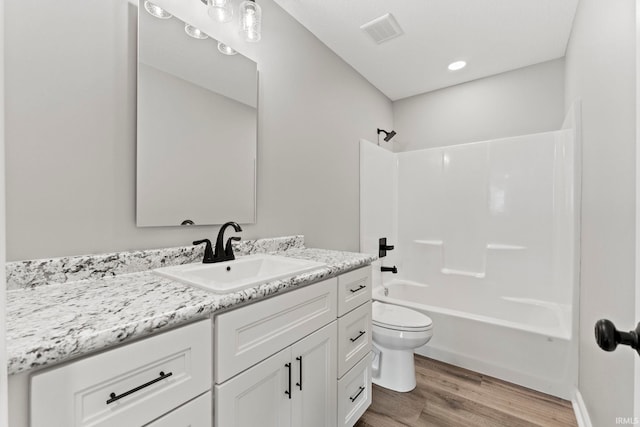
493	36
164	45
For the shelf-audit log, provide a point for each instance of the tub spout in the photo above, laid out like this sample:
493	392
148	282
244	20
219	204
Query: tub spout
393	269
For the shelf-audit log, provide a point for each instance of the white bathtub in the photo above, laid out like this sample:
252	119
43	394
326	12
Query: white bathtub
526	342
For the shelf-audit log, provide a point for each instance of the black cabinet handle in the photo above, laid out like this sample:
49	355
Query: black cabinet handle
608	337
358	289
358	337
288	392
299	359
353	399
113	397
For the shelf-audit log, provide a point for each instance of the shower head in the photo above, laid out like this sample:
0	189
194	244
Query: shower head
388	136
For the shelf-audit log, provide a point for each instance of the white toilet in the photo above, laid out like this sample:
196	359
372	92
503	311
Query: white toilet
397	332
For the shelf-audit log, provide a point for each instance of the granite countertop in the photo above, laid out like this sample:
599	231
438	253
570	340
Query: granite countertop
53	323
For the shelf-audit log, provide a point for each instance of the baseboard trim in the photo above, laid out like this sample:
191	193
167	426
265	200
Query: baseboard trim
580	409
558	388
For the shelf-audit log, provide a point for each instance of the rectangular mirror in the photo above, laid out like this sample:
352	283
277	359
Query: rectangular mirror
196	128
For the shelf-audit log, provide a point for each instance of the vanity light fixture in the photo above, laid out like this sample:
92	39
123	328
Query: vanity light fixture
156	10
250	16
457	65
223	48
220	10
251	20
194	32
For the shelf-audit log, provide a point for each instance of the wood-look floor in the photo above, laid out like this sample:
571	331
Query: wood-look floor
448	396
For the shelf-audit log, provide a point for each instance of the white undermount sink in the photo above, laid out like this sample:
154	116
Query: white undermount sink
241	273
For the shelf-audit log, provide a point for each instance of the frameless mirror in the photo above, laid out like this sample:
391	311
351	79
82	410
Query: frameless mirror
196	128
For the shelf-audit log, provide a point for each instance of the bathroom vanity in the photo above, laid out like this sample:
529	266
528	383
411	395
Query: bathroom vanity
292	352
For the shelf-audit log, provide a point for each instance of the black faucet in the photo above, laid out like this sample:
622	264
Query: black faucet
221	253
225	253
393	269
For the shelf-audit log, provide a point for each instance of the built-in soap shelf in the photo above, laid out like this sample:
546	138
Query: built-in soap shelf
474	274
492	246
429	242
503	247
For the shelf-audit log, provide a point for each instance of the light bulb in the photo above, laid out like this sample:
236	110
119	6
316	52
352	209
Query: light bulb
220	10
194	32
156	10
251	20
223	48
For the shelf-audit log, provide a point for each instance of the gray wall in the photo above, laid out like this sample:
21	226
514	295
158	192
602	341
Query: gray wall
601	70
523	101
3	342
70	133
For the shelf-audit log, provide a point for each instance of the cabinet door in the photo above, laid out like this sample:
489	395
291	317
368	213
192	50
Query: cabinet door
257	396
314	379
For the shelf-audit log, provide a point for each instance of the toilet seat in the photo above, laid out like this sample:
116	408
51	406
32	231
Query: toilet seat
399	318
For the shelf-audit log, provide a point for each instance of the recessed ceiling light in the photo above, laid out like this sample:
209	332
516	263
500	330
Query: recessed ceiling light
195	32
458	65
223	48
156	10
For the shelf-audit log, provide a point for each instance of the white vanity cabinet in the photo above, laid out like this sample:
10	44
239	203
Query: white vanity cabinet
298	359
131	385
291	360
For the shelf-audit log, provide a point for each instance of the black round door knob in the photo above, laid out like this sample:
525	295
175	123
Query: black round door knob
608	337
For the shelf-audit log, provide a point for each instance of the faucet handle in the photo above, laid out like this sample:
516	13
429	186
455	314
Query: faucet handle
208	251
228	249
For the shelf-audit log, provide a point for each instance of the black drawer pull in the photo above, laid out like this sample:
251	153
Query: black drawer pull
288	392
114	397
299	359
353	399
358	337
358	289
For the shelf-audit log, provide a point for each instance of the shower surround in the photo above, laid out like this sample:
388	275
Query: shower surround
485	238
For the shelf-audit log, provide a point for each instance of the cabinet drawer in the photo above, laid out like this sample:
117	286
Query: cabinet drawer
197	413
354	393
76	394
354	288
354	337
247	335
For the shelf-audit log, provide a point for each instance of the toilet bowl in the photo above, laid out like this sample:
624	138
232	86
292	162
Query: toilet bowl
397	332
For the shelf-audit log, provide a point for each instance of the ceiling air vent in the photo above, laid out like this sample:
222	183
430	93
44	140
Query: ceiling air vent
383	28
